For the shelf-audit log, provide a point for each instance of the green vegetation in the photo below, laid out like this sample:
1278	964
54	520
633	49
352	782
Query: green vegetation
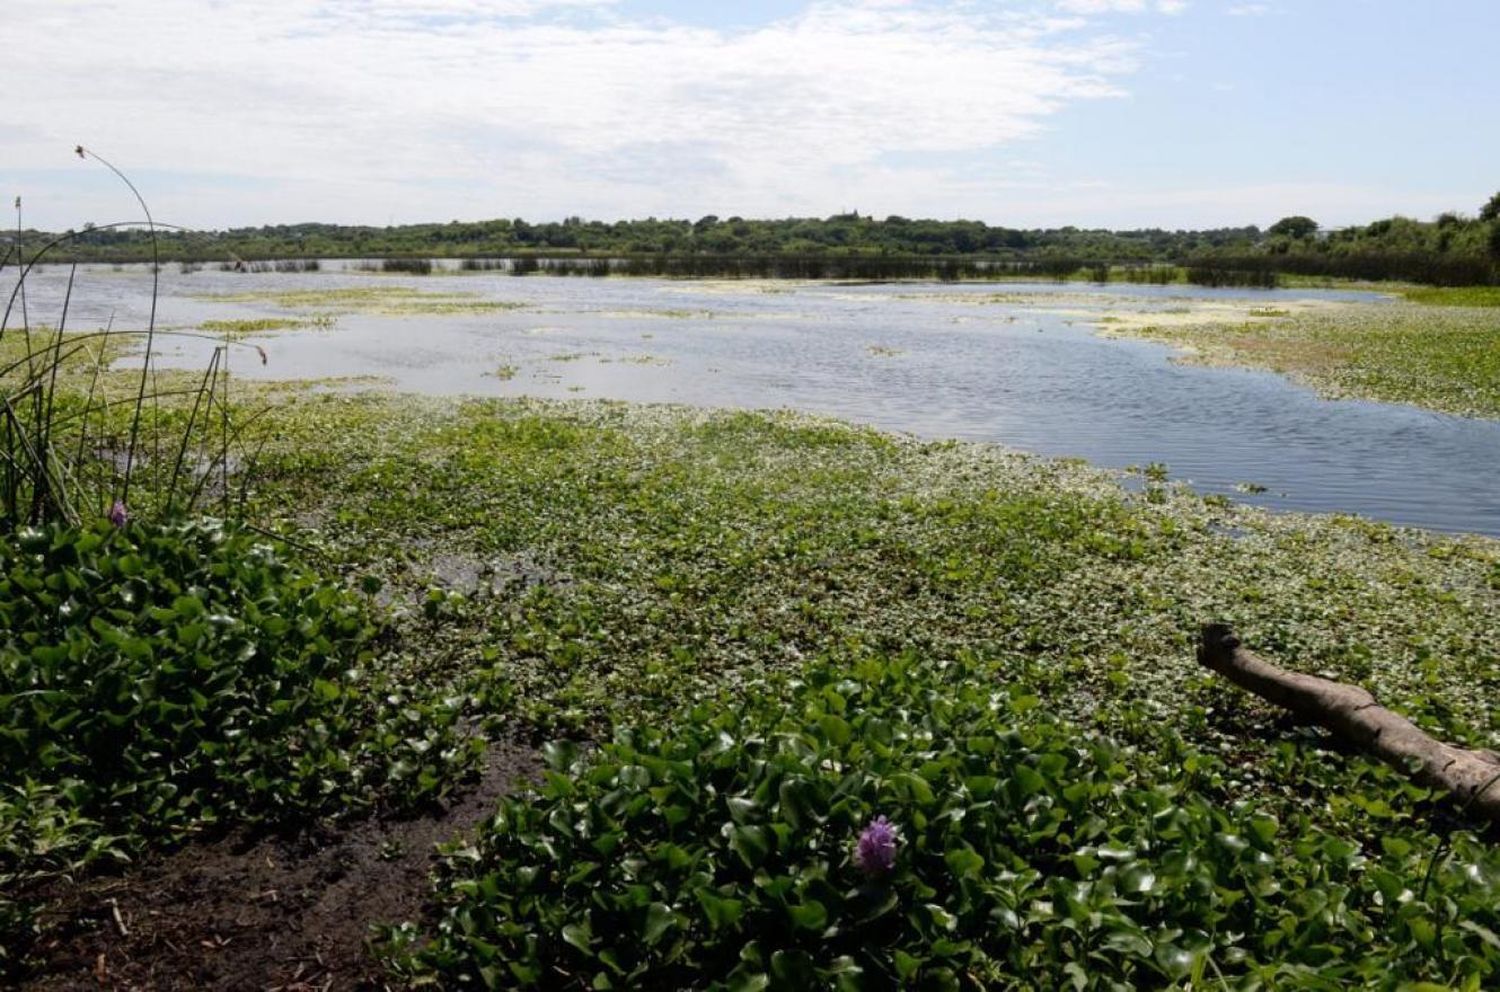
826	624
158	680
1445	358
757	643
1450	250
399	301
1466	296
233	329
787	626
1030	853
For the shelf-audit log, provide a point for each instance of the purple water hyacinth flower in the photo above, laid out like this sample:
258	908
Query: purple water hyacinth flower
118	514
875	854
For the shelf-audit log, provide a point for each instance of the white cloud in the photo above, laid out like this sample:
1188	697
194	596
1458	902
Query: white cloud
1090	7
1248	9
393	110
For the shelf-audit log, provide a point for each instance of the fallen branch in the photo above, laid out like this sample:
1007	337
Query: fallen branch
1473	777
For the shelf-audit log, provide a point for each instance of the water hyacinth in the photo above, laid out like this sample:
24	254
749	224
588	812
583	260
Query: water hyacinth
875	852
118	515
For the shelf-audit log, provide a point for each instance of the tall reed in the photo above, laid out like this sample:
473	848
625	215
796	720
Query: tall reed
68	453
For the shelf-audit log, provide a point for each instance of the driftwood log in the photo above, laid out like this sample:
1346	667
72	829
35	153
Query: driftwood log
1349	712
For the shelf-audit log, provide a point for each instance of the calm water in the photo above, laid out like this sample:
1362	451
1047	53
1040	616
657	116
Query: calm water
1026	370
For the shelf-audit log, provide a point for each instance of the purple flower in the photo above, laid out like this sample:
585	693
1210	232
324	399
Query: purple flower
875	853
118	514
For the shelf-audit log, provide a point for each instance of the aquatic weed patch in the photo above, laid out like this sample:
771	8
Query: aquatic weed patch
711	546
687	555
398	301
1454	296
1446	358
156	680
260	325
889	824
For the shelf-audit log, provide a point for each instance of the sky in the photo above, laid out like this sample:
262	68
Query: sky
1024	113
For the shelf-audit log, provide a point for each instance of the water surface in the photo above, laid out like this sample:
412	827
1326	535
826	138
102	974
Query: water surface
1017	364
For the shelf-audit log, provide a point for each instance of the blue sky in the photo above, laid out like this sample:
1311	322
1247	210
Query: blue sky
1121	113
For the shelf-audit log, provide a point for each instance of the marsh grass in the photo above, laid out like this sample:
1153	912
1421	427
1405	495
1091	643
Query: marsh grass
73	448
1255	273
407	266
1455	296
322	305
239	328
1444	358
1427	268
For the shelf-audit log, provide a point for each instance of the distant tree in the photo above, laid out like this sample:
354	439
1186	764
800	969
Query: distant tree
1494	243
1295	227
1491	210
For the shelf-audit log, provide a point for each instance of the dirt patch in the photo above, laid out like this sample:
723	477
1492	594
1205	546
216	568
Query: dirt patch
245	912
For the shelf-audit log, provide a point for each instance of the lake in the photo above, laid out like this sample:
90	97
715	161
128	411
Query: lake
1018	364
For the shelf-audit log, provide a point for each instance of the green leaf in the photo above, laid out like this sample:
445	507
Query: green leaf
722	912
559	755
752	844
792	969
579	935
659	919
964	861
757	981
835	729
810	915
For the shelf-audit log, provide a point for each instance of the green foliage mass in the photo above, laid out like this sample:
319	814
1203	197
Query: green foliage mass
1450	250
842	233
1467	296
1443	355
156	680
783	626
1293	227
1033	854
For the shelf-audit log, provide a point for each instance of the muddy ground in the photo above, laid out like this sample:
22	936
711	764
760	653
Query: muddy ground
291	914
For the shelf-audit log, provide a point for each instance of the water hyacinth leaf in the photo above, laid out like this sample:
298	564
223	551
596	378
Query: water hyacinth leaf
757	981
659	919
722	912
740	808
579	935
798	802
964	861
792	969
810	915
751	843
559	755
835	729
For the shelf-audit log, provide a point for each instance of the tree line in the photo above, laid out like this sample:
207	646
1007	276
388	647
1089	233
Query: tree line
1450	249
